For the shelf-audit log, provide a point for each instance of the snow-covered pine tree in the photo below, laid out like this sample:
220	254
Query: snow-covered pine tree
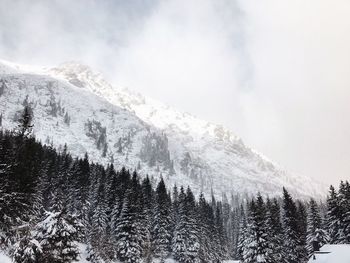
334	224
57	234
301	231
344	206
98	218
192	229
227	220
128	231
236	230
20	166
119	183
257	246
290	226
347	212
92	255
221	234
162	223
205	233
274	230
249	245
8	197
141	214
175	207
242	233
316	235
179	244
27	249
79	184
25	126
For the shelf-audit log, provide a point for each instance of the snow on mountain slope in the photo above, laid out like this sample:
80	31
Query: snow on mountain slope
74	105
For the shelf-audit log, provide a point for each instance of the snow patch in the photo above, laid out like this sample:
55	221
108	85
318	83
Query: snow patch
332	254
4	258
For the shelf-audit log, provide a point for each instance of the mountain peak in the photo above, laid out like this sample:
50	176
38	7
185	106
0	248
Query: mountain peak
74	67
76	73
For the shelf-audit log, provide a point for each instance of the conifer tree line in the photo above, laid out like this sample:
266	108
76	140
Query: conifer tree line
51	202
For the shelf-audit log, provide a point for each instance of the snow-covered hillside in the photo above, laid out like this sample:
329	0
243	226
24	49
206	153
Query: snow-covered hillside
74	105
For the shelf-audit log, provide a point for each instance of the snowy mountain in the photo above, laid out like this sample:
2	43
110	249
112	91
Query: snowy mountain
74	105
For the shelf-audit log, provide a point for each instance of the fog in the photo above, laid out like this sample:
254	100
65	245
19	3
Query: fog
277	73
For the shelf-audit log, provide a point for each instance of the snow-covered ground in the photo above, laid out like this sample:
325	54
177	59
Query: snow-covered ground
81	259
4	258
332	254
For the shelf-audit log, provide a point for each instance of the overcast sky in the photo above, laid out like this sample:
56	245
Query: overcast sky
277	72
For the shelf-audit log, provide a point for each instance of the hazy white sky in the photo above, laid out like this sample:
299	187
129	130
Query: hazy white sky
277	72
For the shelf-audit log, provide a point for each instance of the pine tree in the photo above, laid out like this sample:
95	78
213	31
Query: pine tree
128	232
220	232
57	234
185	244
242	233
249	245
66	119
175	206
2	87
290	225
316	235
344	206
25	125
347	212
274	230
98	222
92	255
193	245
27	249
301	231
179	246
205	233
19	168
333	216
161	230
256	245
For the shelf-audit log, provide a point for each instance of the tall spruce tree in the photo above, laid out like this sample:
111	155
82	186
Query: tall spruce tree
333	216
257	246
316	235
186	240
128	232
290	225
205	231
162	223
301	231
344	206
192	229
179	242
274	230
243	232
25	126
57	235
